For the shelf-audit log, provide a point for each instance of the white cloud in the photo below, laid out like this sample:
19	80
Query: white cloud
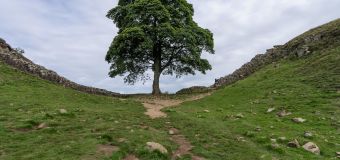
72	37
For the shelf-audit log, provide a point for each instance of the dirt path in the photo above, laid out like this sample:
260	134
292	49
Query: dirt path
154	107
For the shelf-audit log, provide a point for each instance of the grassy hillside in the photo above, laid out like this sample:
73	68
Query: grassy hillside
42	120
233	123
26	102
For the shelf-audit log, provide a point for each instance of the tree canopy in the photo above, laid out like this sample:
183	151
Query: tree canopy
160	35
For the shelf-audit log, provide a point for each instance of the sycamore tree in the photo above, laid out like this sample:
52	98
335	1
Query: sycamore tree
157	35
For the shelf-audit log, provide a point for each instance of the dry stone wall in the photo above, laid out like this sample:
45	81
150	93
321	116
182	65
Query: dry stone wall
18	61
316	39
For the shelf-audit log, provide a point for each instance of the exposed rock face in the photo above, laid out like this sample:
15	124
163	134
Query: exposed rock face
304	45
18	61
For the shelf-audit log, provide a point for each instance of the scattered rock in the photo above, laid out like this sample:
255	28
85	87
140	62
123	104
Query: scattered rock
173	131
152	146
273	140
207	111
294	144
270	110
308	134
275	145
241	139
312	147
121	140
338	153
62	111
298	120
258	129
42	126
282	138
240	115
283	113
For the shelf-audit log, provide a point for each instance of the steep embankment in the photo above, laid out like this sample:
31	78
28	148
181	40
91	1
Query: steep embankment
254	118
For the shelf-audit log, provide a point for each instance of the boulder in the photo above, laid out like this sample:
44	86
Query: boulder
153	146
270	110
62	111
42	126
240	115
311	147
294	144
308	134
298	120
283	113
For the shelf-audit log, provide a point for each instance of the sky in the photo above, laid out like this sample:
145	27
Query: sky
72	37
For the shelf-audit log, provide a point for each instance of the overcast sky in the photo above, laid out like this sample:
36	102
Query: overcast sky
71	37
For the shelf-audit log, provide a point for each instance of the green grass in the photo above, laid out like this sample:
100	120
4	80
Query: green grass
26	101
306	87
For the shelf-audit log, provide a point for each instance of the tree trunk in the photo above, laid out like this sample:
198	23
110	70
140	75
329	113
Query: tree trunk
157	74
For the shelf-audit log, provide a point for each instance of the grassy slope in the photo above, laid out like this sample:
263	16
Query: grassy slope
26	101
305	87
308	87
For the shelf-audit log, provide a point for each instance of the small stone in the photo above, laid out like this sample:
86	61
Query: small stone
62	111
308	134
121	140
241	139
152	146
270	110
294	144
42	126
258	129
273	140
171	132
283	113
298	120
311	147
207	111
240	115
282	138
338	153
275	145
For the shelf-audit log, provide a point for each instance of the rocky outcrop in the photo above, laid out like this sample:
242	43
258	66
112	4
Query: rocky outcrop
316	39
13	58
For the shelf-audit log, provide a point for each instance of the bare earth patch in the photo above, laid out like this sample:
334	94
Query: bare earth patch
131	157
154	106
106	150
